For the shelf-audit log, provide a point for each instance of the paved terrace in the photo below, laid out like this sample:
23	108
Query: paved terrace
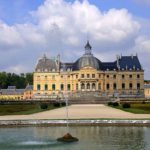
89	111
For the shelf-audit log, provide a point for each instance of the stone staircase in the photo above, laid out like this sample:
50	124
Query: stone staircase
88	98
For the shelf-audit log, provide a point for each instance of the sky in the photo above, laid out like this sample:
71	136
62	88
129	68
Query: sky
31	28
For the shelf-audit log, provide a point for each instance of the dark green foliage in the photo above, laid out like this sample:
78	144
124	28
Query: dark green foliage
110	103
44	106
115	104
63	104
12	79
143	102
126	105
56	104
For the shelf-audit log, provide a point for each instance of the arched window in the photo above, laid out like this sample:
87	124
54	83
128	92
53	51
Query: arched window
130	86
138	86
93	86
53	87
82	86
76	86
68	87
123	86
114	86
88	86
107	86
38	87
46	87
62	87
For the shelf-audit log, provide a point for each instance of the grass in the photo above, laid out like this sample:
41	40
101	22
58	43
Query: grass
22	109
136	108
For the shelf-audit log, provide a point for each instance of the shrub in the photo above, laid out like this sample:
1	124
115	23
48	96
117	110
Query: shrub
115	104
143	102
56	104
110	103
44	106
63	104
126	105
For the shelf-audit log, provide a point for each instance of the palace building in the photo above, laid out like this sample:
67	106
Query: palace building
123	77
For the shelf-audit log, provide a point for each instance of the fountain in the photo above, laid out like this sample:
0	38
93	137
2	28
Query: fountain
67	137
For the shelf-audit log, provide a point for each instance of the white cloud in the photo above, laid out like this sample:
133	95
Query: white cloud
61	27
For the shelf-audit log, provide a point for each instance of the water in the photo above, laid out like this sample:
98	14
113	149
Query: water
90	138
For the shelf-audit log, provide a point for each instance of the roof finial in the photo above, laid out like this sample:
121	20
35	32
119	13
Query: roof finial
88	48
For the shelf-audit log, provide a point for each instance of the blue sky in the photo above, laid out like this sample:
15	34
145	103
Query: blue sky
17	11
114	27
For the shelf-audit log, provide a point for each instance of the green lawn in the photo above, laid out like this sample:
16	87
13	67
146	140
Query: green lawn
22	109
137	108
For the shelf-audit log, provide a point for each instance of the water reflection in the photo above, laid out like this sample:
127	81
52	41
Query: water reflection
95	137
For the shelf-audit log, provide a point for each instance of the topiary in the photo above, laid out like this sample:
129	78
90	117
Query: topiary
110	103
43	106
126	105
115	104
56	104
63	104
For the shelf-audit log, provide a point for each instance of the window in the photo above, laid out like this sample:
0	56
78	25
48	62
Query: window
53	87
138	86
107	86
68	87
62	87
82	75
76	86
130	76
107	76
68	76
93	75
114	86
88	75
123	76
99	76
46	87
76	76
39	87
88	86
82	86
93	86
138	76
61	76
99	86
130	86
45	77
123	85
114	76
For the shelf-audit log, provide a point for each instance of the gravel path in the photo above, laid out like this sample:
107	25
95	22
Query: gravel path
80	112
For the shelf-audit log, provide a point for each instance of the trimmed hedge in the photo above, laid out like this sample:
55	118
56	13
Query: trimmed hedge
115	104
44	106
110	103
126	105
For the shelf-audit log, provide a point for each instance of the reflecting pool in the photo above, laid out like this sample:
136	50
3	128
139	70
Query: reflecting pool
90	138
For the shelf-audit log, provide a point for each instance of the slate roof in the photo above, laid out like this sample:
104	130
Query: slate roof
109	66
147	86
122	63
12	92
29	87
46	65
129	63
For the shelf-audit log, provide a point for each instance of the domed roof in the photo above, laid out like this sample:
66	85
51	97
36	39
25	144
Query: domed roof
87	60
45	64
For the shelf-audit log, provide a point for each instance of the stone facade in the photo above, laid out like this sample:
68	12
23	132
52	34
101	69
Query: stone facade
123	77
